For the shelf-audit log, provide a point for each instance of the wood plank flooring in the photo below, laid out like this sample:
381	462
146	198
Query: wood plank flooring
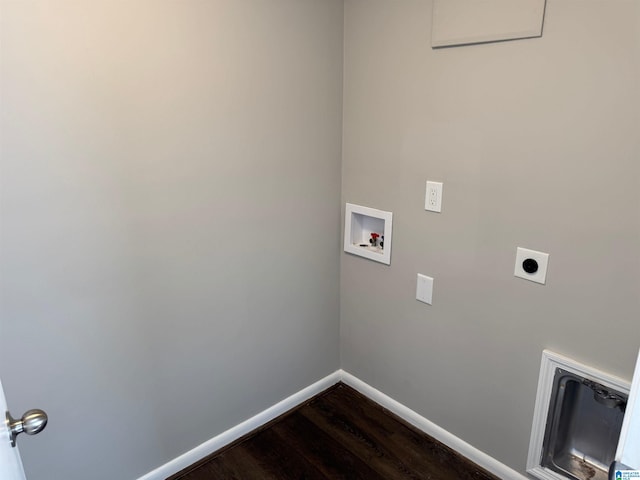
339	434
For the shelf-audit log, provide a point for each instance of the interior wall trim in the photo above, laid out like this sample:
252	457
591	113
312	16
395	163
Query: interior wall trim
463	448
449	439
188	458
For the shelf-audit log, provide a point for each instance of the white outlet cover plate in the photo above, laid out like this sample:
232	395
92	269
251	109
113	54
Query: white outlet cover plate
543	260
424	289
433	197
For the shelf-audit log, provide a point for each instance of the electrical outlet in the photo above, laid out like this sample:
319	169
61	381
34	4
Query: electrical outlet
531	265
433	197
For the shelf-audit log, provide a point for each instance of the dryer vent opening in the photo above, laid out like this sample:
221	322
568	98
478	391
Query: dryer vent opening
577	423
583	426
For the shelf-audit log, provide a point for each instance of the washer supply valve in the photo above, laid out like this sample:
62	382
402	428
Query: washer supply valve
374	239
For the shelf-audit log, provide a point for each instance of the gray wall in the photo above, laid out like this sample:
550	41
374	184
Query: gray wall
170	183
538	145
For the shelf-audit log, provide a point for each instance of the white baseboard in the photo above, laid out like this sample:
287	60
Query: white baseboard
480	458
463	448
234	433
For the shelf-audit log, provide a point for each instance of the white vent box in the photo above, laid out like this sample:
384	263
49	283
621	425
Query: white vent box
367	233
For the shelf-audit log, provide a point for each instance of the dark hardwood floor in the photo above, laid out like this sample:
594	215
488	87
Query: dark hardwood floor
339	434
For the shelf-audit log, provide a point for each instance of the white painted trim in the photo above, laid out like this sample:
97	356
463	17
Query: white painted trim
10	462
548	365
628	452
353	227
228	436
463	448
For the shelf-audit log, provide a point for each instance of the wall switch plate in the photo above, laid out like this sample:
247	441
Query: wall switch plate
433	197
531	265
424	289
